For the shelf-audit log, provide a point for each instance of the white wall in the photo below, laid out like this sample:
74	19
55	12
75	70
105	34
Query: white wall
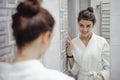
115	40
51	58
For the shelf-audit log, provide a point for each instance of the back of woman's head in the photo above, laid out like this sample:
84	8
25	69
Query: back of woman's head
30	21
87	14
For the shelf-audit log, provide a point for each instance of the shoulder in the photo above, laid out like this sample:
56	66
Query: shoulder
57	75
49	74
100	39
75	40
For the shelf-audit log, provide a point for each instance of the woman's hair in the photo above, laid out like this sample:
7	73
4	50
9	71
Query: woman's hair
30	21
87	14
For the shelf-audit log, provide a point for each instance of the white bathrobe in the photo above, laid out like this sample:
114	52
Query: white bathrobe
29	70
91	60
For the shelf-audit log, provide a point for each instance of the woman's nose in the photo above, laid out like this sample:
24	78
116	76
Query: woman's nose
84	29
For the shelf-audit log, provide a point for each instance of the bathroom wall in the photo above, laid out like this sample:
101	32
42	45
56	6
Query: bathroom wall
115	40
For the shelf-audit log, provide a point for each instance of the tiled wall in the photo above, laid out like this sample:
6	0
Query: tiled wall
115	39
7	8
63	32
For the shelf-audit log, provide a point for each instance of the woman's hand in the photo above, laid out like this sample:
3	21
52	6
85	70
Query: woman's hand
69	47
5	59
100	78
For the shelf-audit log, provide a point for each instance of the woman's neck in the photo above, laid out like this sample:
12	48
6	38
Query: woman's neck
85	40
28	53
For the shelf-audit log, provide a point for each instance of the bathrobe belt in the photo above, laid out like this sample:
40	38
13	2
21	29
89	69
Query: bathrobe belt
89	73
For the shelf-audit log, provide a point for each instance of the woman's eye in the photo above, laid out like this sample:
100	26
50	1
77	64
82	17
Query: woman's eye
81	25
88	26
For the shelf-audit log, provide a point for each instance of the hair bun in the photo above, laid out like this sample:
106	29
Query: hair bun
29	8
90	9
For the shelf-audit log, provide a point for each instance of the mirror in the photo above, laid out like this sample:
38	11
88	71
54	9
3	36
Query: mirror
69	10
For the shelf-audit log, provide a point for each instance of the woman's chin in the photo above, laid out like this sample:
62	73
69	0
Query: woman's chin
84	35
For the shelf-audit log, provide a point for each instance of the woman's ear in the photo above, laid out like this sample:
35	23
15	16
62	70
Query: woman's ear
45	37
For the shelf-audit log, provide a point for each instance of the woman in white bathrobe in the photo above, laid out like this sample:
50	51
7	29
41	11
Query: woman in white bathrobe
88	54
32	28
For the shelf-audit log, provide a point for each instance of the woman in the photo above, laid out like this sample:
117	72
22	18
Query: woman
32	28
88	54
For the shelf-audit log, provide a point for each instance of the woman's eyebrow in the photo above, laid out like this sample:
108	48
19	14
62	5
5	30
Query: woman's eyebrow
88	24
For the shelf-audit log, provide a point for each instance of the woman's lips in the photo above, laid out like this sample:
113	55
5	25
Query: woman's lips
84	33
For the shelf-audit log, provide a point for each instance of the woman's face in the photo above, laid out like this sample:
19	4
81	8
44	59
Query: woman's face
85	27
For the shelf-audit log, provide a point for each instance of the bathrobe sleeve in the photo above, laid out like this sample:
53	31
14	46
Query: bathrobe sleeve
106	61
75	69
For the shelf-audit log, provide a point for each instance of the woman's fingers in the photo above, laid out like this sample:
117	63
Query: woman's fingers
5	59
69	46
69	38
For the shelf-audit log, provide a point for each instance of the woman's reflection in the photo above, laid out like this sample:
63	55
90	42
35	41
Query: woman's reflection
88	54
